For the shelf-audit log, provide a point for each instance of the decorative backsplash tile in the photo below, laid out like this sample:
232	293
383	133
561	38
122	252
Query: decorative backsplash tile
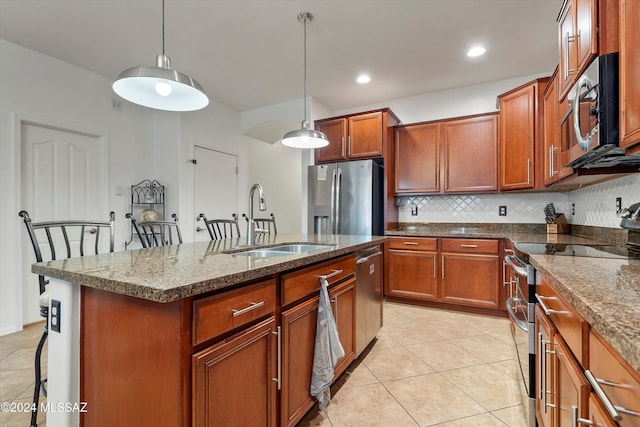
594	205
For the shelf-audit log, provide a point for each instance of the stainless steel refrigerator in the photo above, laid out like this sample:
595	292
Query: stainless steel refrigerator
346	198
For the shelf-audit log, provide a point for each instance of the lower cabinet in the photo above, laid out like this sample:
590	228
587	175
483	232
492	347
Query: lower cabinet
343	301
243	365
571	387
463	272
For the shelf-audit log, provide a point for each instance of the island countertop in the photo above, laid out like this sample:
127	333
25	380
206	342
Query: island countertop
168	273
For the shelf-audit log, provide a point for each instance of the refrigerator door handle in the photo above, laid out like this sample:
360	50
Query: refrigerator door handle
338	196
333	200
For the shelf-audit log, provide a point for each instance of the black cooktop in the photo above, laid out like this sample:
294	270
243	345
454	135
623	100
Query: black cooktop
589	251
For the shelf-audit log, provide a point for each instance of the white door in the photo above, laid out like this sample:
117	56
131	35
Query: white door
216	187
60	179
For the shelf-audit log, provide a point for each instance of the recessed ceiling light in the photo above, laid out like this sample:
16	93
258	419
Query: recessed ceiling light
476	51
363	79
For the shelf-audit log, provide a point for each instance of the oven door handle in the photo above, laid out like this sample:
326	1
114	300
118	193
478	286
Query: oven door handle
519	323
515	266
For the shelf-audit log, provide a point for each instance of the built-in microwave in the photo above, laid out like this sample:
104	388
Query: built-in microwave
589	127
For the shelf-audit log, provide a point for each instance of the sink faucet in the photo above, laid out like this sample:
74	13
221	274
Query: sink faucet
251	232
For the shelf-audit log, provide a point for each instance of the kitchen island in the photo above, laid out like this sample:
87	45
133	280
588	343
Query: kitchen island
179	334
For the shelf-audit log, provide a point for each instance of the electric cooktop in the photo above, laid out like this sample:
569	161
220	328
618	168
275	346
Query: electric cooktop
589	251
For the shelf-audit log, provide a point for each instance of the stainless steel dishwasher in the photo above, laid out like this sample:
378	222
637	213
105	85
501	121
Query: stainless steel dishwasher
368	296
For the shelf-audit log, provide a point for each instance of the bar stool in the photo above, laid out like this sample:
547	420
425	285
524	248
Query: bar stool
157	233
221	228
58	237
263	225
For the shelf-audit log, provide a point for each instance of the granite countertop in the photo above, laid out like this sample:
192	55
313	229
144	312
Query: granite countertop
605	292
170	273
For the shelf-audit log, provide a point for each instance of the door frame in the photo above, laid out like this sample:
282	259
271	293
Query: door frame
102	138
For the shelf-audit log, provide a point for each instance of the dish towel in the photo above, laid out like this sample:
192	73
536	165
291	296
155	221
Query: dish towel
327	349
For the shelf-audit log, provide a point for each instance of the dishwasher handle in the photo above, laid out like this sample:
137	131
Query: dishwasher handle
367	258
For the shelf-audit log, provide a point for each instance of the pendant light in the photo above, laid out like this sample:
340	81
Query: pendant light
305	137
160	87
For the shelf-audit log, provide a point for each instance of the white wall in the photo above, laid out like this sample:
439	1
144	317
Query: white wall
43	89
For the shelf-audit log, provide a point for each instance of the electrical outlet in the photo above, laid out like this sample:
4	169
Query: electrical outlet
573	208
502	210
55	316
414	210
618	204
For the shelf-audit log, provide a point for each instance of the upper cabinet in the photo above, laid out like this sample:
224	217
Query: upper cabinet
629	81
521	136
554	155
577	31
359	136
452	156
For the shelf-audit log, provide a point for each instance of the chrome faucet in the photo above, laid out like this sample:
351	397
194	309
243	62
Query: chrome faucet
251	230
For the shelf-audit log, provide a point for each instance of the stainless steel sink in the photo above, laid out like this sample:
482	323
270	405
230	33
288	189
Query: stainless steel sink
282	250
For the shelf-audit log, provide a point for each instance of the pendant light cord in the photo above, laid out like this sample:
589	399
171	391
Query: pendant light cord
163	27
304	100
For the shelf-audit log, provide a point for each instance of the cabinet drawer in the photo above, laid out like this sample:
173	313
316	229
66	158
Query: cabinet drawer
470	246
221	313
617	379
569	324
305	282
413	243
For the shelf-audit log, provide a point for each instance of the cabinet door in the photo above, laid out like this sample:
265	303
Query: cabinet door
343	301
412	274
517	138
233	381
336	132
572	389
298	339
471	154
629	66
470	279
567	48
417	157
585	33
552	155
545	375
365	136
598	415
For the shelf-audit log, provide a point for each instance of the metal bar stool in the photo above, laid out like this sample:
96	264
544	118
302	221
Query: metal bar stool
70	239
263	225
221	228
157	233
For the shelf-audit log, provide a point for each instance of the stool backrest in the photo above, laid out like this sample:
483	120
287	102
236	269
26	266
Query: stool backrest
221	228
71	238
157	233
263	225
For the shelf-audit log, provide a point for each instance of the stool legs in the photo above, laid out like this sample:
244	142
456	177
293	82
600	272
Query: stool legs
39	383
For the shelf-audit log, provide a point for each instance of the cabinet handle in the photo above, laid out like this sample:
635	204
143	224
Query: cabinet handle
366	259
601	394
575	419
342	147
546	309
252	306
327	276
349	146
468	246
411	243
529	170
434	266
443	267
278	379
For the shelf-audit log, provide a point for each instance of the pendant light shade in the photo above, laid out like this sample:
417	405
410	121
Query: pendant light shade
305	137
160	87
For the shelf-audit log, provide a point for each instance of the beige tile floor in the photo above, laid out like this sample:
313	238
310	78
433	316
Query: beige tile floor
427	367
430	367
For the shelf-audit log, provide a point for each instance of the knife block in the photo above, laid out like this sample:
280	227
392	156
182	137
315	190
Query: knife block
560	227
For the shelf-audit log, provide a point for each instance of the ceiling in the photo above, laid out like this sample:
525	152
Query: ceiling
249	53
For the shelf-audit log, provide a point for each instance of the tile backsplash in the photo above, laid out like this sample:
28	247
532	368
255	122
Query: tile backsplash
594	205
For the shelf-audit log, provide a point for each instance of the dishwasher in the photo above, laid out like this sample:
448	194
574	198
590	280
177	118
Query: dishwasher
368	296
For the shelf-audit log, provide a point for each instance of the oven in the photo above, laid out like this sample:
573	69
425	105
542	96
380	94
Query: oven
519	280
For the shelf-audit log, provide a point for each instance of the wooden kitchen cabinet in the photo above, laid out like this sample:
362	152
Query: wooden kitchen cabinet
571	387
470	272
244	365
343	301
554	155
417	157
521	136
470	154
629	66
577	32
358	136
412	268
544	369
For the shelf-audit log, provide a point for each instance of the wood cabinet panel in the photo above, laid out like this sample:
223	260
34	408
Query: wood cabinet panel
417	157
222	313
470	246
545	372
572	389
336	132
568	53
629	66
343	301
412	274
598	414
470	279
471	154
243	365
298	338
554	155
413	243
365	136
